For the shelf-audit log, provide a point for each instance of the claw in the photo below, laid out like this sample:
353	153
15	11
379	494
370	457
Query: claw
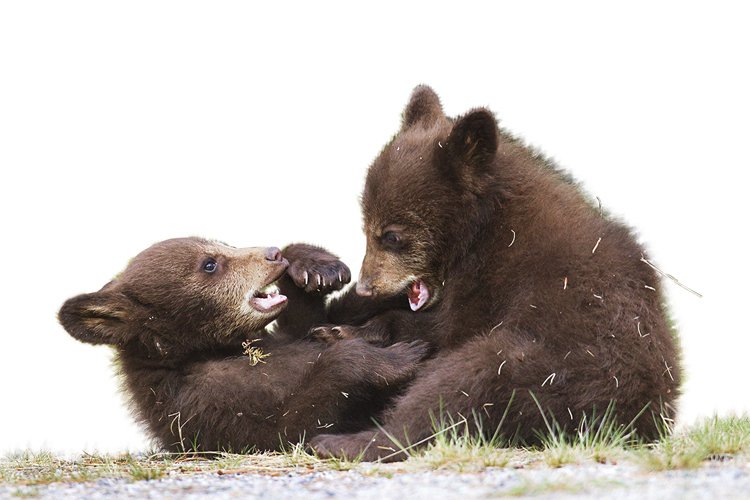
318	278
305	274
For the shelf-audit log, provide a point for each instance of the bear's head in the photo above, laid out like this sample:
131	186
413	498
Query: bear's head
425	198
180	296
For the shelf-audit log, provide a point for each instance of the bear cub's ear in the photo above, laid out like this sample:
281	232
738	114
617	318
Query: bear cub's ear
423	108
103	317
472	145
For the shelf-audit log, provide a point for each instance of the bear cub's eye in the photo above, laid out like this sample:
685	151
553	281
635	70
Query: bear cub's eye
210	265
391	239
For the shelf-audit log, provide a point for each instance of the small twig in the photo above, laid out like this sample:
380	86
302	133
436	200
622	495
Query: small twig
668	370
501	366
639	331
484	407
596	246
677	282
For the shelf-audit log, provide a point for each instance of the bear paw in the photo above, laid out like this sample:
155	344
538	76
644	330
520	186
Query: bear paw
316	270
330	334
366	446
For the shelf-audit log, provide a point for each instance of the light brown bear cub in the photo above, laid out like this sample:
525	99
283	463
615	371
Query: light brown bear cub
178	317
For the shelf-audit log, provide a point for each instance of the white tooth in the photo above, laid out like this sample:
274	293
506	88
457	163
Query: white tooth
269	289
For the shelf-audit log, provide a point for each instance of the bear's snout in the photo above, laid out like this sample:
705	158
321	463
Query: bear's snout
273	254
364	289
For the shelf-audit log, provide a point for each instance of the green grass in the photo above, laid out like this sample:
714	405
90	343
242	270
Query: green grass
717	439
600	438
454	450
714	440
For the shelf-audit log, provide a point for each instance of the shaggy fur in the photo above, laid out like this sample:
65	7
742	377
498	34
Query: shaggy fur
177	318
532	290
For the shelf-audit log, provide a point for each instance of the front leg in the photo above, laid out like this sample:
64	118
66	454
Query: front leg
385	329
330	334
313	273
349	308
345	380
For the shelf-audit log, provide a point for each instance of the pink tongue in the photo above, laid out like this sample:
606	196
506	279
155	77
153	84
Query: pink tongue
269	301
418	295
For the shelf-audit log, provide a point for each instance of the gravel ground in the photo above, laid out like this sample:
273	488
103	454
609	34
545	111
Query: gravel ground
579	481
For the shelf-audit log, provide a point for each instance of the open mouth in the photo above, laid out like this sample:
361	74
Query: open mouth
418	294
267	298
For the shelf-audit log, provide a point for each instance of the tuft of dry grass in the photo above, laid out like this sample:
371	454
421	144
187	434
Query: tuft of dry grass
254	354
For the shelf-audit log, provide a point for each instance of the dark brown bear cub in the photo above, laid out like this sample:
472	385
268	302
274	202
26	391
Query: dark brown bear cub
178	317
522	282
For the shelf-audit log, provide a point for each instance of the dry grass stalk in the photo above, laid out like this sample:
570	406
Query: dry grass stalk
669	276
596	246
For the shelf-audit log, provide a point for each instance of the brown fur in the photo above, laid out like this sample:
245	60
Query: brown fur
178	332
532	289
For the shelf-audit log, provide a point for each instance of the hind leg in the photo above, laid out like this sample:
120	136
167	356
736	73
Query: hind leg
476	380
485	386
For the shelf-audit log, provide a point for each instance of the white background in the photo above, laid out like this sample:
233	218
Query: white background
125	123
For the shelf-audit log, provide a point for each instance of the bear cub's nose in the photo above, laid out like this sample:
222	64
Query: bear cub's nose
364	289
273	254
